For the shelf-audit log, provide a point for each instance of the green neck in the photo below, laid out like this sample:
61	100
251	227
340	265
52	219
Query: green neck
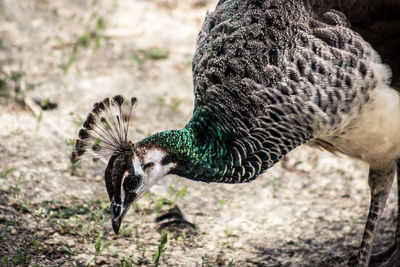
199	149
210	149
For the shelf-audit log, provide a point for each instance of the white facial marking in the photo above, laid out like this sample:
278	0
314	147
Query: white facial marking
122	188
122	195
151	175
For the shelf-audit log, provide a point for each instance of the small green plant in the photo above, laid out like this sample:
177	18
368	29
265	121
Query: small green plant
5	261
16	190
6	173
125	231
39	119
205	261
24	206
20	258
182	236
181	193
141	251
67	212
17	76
171	202
275	186
92	34
229	232
99	247
44	104
137	57
70	142
175	103
77	120
11	83
126	262
72	166
178	194
155	53
231	263
160	249
162	100
3	87
100	212
99	27
136	206
67	249
39	215
83	219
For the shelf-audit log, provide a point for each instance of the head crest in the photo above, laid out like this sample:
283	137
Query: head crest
105	130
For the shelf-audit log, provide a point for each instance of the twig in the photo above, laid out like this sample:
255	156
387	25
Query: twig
36	109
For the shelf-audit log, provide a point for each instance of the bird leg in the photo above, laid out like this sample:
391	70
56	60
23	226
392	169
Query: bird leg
380	182
391	257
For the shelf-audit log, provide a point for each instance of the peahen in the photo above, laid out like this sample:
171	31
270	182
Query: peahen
271	75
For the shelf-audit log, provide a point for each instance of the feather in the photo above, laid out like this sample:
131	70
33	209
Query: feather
105	130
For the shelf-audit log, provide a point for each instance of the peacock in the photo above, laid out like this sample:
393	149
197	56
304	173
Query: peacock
269	76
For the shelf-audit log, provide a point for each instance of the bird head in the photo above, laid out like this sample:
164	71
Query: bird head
129	175
132	168
121	184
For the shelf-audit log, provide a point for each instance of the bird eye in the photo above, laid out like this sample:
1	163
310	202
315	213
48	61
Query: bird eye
148	165
131	182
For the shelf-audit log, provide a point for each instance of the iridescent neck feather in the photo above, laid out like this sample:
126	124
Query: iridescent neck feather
209	151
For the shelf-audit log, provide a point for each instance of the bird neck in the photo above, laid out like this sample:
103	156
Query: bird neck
211	150
197	150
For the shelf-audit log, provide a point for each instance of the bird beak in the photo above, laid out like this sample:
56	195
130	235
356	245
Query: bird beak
116	224
118	212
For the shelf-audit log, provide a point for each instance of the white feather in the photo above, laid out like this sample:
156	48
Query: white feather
374	134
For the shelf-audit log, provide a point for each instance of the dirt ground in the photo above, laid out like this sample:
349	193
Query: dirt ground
59	57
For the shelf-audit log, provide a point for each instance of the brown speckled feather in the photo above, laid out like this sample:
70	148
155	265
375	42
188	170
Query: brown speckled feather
378	22
266	58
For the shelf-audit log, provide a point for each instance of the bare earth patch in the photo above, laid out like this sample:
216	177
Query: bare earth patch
59	57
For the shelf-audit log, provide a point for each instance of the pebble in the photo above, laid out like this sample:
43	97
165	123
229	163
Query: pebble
101	261
237	245
346	229
80	263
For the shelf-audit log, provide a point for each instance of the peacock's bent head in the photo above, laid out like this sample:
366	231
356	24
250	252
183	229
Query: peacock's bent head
132	168
143	167
121	183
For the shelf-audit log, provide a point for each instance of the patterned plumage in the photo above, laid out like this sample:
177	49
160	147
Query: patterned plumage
269	76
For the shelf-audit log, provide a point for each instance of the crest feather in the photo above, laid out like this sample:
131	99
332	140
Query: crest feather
105	130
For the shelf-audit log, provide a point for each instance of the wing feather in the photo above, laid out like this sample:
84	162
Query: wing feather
377	21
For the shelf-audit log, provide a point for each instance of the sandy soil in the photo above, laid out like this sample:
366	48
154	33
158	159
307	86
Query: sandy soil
306	211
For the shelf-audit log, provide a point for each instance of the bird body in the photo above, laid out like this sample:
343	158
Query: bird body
269	76
374	134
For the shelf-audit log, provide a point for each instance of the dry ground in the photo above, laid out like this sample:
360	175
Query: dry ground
59	57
